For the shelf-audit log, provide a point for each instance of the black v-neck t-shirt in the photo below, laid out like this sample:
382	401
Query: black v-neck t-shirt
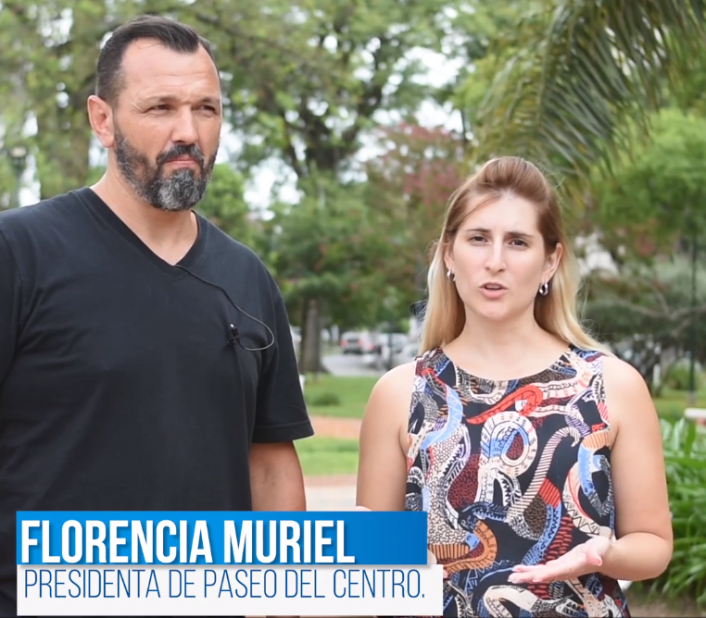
122	384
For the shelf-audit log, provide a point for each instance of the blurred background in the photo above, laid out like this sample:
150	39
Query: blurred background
349	123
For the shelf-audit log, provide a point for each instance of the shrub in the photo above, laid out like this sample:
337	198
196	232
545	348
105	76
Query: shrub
685	460
324	399
677	377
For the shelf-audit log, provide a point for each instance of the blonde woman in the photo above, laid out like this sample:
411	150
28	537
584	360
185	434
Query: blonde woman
535	452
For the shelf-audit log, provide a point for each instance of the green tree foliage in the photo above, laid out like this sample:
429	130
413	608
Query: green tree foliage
649	212
646	312
690	97
305	79
325	251
478	27
655	201
9	182
409	187
224	205
48	62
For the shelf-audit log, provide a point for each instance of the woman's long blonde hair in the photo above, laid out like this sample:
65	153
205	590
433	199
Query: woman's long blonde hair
445	316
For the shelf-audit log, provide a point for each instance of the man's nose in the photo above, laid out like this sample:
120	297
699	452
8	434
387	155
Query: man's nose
184	131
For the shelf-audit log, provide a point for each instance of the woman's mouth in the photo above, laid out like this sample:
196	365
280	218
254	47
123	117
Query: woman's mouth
493	290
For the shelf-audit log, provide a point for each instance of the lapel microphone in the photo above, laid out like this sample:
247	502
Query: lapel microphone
234	335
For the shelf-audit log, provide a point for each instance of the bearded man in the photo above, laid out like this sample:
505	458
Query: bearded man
146	361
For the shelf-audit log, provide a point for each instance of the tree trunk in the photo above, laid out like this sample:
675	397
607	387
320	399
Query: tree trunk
63	131
310	361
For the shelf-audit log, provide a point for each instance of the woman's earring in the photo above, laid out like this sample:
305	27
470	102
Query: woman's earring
450	275
544	289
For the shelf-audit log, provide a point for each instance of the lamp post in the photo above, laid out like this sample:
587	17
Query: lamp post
694	325
18	160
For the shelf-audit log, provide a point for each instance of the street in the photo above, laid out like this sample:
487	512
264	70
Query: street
351	365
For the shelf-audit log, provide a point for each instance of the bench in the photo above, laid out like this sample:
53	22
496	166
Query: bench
696	414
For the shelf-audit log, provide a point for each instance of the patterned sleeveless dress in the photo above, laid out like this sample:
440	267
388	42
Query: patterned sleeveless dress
513	472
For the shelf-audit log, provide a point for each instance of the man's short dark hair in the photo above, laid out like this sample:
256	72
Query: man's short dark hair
172	34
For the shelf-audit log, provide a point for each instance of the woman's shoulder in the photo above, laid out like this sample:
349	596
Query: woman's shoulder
627	395
398	383
593	355
614	368
396	379
622	375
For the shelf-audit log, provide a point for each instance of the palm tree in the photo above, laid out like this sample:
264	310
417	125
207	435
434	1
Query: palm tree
574	70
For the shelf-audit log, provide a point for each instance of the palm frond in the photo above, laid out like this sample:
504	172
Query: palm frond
580	67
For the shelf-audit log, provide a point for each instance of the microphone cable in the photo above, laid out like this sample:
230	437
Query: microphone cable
234	333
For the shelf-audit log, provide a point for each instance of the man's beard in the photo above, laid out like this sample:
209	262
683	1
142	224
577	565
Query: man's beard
181	190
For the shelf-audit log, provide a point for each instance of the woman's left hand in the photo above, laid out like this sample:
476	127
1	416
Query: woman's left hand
581	560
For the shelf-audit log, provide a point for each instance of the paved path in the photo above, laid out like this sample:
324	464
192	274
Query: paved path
330	493
332	480
333	427
330	498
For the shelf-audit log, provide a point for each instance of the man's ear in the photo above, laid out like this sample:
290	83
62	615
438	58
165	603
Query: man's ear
100	115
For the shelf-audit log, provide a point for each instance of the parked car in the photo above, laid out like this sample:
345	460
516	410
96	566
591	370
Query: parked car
399	341
357	342
403	351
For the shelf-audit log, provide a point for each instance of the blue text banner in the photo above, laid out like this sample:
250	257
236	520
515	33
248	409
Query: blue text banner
218	538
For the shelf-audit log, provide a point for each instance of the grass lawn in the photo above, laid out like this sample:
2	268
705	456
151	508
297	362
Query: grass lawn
672	403
323	456
351	395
